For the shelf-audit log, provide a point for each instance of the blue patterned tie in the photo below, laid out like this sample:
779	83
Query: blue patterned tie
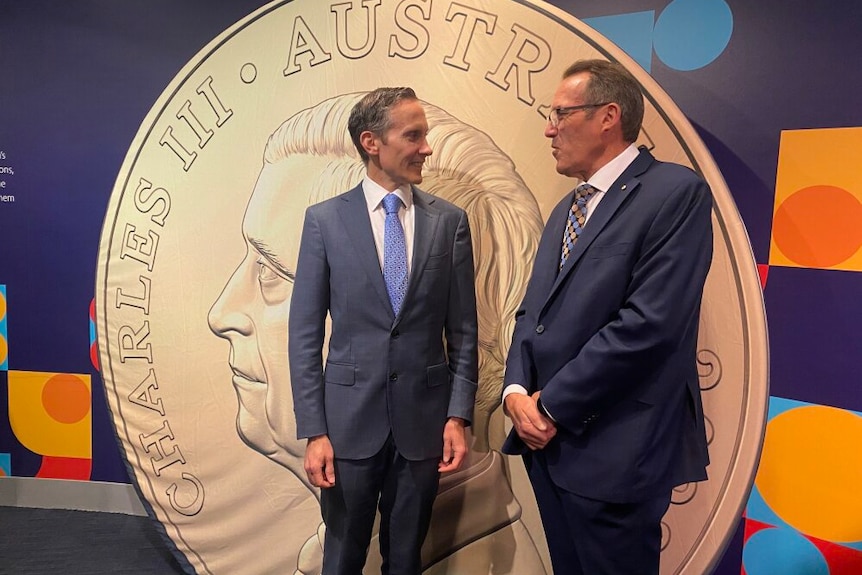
394	253
577	217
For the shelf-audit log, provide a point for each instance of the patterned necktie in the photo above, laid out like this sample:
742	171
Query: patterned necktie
394	253
577	217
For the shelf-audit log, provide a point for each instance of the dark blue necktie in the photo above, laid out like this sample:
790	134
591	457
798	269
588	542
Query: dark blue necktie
394	253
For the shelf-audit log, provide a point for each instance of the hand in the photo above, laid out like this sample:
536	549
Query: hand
454	445
320	462
533	427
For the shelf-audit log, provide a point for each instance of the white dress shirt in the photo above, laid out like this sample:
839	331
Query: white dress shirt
374	194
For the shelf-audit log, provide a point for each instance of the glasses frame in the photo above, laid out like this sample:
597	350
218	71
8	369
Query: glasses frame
556	115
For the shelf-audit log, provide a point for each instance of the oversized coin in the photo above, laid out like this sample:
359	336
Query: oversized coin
200	238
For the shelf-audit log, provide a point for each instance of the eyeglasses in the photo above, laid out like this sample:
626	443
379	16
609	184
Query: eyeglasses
558	114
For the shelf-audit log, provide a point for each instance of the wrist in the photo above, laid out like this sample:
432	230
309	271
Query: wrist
511	398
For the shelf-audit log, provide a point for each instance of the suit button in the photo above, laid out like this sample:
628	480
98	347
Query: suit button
396	334
540	329
393	376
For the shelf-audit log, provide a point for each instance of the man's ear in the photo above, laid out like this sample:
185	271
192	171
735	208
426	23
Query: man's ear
369	143
612	116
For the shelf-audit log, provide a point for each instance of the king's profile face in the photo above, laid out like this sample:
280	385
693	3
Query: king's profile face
253	309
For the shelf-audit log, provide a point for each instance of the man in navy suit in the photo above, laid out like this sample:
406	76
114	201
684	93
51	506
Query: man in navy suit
601	381
387	413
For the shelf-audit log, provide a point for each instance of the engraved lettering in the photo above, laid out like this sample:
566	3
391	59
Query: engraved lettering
207	91
168	139
472	17
158	440
130	343
146	202
143	394
197	496
527	54
192	121
413	28
142	302
303	42
138	247
195	124
709	369
341	28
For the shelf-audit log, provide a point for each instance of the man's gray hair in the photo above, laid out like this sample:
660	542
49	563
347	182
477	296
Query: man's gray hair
611	82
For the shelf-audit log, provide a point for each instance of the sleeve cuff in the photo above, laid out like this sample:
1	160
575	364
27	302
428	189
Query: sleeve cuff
514	388
544	410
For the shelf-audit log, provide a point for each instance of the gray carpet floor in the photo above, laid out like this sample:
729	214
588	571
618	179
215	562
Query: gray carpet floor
53	541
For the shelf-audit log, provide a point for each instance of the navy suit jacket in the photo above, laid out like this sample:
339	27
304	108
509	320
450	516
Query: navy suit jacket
611	339
383	373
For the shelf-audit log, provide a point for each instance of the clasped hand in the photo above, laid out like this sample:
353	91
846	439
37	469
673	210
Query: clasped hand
532	426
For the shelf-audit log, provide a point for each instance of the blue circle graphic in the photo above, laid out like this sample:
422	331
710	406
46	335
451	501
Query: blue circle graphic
784	551
689	34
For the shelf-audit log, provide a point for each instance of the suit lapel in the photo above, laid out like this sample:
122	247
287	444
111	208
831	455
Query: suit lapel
425	223
614	197
353	212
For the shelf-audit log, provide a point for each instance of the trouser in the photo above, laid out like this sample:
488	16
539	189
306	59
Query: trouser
404	492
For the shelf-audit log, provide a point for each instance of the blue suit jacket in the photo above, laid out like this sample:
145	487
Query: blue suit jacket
611	339
383	373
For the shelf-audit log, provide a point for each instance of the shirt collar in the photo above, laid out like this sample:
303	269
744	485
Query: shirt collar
605	177
374	194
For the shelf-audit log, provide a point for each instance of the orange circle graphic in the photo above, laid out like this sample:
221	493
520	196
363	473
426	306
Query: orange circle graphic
2	305
819	226
4	349
66	398
809	472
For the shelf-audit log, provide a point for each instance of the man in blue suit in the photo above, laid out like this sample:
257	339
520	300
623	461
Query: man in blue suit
601	381
392	267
